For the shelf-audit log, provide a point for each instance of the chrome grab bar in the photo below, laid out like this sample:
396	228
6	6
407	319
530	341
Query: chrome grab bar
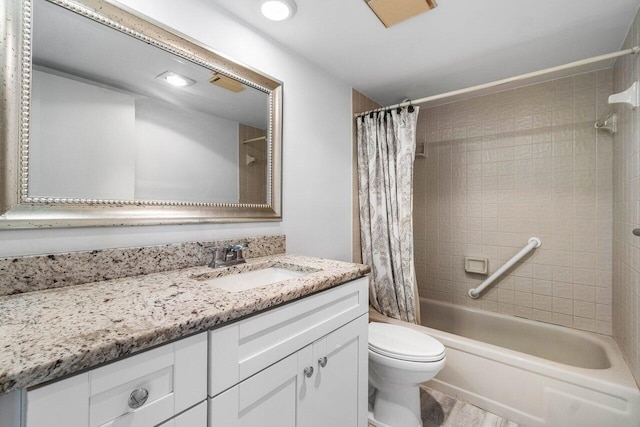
534	243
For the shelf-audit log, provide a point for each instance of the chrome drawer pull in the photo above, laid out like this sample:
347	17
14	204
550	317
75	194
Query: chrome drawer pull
138	397
322	362
308	371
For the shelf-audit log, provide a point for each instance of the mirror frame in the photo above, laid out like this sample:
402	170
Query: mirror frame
18	210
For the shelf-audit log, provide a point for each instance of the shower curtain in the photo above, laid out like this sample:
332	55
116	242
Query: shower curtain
386	150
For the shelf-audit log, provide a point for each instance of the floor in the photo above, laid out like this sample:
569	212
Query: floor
441	410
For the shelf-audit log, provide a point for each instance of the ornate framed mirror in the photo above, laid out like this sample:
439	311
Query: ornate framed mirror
108	119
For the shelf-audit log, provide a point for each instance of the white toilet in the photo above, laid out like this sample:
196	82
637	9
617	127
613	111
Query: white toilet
400	359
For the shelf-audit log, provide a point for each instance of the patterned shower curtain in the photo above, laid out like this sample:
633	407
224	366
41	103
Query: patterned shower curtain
386	150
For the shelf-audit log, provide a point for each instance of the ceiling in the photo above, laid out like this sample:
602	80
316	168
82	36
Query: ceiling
459	44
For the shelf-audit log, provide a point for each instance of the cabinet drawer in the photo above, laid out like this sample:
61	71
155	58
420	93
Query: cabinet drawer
173	377
239	350
194	417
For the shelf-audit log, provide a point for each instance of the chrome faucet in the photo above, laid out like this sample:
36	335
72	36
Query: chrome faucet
235	252
228	255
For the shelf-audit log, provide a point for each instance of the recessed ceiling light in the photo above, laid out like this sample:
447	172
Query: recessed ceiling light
278	10
175	79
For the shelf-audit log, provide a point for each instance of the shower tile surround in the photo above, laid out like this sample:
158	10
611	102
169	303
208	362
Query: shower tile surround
626	212
34	273
503	167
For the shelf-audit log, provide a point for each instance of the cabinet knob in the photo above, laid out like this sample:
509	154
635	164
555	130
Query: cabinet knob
322	362
138	397
308	371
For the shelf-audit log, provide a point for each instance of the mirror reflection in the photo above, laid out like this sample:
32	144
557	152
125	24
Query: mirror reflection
114	118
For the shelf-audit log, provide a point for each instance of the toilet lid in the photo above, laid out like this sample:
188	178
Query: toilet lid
403	343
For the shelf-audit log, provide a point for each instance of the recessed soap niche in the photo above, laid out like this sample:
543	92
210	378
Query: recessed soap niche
476	265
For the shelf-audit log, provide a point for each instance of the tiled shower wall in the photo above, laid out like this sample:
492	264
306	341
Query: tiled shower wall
252	176
503	167
626	184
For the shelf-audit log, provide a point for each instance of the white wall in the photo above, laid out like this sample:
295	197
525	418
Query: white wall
157	151
185	155
76	152
317	149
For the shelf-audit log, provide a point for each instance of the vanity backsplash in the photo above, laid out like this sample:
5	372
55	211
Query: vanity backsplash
34	273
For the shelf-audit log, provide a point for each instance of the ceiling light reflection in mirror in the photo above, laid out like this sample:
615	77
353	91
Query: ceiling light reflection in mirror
176	79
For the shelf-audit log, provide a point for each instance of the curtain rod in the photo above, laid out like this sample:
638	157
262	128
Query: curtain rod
570	65
260	138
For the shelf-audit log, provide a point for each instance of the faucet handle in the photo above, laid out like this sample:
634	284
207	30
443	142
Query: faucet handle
239	246
236	249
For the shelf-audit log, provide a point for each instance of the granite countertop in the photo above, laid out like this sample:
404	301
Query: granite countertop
48	334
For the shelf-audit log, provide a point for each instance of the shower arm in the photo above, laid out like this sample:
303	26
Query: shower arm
534	243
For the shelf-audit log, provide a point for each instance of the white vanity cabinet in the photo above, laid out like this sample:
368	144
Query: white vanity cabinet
303	364
142	390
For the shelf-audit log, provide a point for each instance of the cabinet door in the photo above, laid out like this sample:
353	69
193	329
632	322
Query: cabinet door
267	399
340	386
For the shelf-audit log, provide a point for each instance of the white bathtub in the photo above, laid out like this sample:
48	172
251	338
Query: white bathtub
533	373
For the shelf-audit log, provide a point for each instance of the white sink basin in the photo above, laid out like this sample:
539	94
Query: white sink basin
253	279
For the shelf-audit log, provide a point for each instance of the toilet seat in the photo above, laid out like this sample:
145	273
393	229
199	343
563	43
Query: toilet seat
399	342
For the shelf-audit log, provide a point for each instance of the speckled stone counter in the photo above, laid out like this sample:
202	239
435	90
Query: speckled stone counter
48	334
35	273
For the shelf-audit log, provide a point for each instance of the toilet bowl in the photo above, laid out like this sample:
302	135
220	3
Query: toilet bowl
400	359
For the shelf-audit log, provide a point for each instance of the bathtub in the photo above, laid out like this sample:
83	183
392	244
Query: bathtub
533	373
